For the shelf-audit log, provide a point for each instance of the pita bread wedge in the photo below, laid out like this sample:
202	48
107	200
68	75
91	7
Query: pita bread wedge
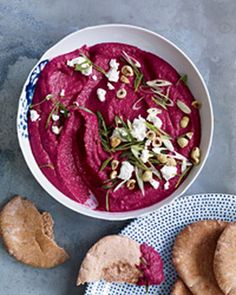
193	255
28	235
225	260
180	288
113	258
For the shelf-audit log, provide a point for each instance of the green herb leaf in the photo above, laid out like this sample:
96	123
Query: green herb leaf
124	154
119	121
107	200
154	161
58	106
151	126
101	121
135	149
139	179
103	132
109	180
127	146
47	98
53	110
182	176
86	110
137	81
155	171
183	78
159	102
163	135
99	69
79	67
105	163
109	186
65	112
137	162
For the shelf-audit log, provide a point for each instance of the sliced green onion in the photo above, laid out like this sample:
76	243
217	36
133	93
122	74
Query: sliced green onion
107	200
182	176
139	180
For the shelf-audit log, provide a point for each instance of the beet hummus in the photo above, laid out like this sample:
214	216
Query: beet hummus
151	267
114	127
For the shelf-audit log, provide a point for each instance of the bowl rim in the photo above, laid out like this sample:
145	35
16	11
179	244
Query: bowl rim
115	216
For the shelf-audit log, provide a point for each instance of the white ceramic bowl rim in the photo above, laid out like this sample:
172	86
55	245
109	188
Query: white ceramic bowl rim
59	196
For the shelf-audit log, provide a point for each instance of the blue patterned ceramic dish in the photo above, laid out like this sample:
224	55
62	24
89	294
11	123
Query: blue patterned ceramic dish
136	36
160	228
25	100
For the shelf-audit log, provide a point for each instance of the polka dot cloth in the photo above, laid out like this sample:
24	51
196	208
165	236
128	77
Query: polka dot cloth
160	228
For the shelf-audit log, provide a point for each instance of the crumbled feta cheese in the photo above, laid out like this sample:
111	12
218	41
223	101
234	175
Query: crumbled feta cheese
154	183
148	143
114	64
34	115
101	93
80	60
166	185
113	73
126	170
168	172
62	93
56	130
145	155
139	128
55	117
94	77
110	86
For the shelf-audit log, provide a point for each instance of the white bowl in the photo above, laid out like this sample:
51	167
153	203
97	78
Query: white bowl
145	40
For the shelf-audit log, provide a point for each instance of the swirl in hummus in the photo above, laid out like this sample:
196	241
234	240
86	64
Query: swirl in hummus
114	127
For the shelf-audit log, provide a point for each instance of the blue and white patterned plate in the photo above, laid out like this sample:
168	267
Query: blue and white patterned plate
160	228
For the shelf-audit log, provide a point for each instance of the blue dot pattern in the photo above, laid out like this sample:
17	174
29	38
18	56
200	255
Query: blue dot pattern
160	228
26	98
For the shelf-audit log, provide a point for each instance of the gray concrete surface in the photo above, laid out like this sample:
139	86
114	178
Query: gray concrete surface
204	29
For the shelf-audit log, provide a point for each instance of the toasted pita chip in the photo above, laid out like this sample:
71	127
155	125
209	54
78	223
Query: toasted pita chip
114	259
193	255
28	235
225	260
180	288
